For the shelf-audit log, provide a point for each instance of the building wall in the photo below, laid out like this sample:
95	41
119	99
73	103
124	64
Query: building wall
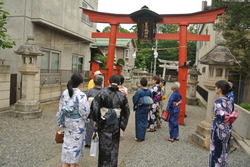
204	47
4	86
56	25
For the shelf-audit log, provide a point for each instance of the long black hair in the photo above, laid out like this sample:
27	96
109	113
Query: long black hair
75	80
224	86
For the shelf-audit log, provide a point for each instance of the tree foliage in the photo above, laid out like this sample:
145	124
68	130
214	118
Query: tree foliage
235	25
5	39
167	49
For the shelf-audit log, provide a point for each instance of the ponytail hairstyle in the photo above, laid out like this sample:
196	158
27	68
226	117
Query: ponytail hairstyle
224	86
114	81
75	80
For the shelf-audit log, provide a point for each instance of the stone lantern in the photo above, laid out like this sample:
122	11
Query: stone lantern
28	106
192	82
219	61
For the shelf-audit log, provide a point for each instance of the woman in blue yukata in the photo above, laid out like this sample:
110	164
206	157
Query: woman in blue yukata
72	114
141	112
220	133
173	108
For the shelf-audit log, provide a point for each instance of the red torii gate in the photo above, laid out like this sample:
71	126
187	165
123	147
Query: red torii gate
183	20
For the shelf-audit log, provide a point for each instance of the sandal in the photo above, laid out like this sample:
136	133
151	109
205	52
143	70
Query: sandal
151	130
169	139
177	139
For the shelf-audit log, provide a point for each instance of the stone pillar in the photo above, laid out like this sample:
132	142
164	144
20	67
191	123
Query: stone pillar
4	86
202	133
28	106
192	83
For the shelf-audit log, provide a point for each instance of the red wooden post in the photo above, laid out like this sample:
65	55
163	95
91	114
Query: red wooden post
94	67
111	52
183	70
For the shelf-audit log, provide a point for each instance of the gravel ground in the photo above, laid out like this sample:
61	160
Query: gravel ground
28	142
156	151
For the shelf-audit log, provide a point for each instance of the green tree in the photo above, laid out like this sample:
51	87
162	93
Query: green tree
234	25
5	39
120	29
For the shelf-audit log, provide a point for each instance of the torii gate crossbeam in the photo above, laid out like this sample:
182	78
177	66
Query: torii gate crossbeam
183	20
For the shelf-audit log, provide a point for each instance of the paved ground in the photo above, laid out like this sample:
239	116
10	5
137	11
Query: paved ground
30	143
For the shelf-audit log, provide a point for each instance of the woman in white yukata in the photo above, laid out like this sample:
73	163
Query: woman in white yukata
72	114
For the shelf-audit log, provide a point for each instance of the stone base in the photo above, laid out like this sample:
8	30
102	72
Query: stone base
27	115
27	109
192	101
202	134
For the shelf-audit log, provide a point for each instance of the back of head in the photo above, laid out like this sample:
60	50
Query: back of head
75	80
121	79
98	80
163	82
224	86
144	82
176	85
114	81
157	79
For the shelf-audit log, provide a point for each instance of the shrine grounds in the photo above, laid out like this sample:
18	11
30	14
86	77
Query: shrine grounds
30	143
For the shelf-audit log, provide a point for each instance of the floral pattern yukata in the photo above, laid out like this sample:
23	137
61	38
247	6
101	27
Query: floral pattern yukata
72	114
154	115
220	133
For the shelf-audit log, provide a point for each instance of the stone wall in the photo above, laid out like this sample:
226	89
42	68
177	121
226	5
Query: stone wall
242	124
4	87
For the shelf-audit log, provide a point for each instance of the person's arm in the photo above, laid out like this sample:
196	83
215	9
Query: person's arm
84	108
125	112
60	114
135	98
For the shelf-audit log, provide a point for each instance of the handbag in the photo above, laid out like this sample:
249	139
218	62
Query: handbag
165	115
59	135
94	144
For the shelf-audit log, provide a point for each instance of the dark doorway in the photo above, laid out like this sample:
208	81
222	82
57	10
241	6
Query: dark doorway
13	88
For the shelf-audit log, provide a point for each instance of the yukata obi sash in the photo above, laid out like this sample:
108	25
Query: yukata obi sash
110	115
105	110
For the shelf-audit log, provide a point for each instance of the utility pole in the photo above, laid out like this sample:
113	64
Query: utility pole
155	53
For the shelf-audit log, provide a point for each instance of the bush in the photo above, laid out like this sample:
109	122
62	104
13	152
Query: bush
245	106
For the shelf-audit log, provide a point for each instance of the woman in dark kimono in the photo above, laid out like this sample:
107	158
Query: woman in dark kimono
141	112
109	135
220	133
173	108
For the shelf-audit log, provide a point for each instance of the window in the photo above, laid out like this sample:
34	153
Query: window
77	63
85	18
126	53
50	62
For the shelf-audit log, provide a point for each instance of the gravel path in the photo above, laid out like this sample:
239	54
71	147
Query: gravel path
28	142
155	151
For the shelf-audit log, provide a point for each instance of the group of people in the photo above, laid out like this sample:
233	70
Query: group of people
82	114
148	117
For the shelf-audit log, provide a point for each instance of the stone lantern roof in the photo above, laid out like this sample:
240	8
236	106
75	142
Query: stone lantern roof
220	55
29	48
